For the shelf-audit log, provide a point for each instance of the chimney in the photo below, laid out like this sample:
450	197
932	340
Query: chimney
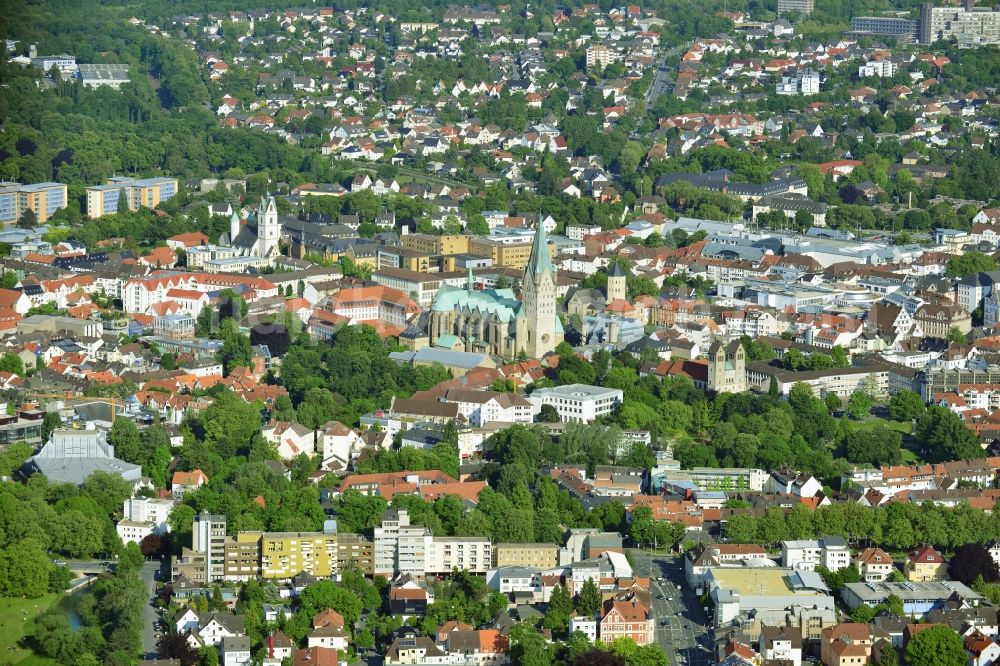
270	646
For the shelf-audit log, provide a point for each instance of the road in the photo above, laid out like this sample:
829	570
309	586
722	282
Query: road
149	615
662	78
686	635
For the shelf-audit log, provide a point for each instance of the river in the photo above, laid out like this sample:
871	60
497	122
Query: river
69	603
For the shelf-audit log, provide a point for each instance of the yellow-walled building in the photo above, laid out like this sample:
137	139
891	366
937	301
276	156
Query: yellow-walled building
284	554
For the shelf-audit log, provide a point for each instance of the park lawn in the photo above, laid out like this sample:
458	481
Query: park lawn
15	624
871	422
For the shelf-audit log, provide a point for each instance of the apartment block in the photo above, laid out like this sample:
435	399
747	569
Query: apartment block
43	199
208	538
285	554
242	554
968	25
355	551
599	57
148	193
528	555
507	251
803	7
473	554
386	540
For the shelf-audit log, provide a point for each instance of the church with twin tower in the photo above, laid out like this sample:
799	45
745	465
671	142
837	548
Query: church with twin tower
494	321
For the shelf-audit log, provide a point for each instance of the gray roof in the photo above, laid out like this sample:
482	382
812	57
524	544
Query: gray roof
72	455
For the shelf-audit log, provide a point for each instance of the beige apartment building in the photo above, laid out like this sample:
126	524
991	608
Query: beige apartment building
530	555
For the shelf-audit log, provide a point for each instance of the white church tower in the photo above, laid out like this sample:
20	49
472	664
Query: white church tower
234	227
268	228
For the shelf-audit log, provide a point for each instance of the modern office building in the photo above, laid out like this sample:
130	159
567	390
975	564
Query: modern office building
148	192
43	199
968	25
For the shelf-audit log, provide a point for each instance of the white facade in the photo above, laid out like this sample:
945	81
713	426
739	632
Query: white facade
578	403
474	554
142	516
586	625
830	552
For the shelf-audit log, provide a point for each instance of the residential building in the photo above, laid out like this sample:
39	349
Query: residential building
802	82
968	25
285	554
627	618
831	552
43	199
874	565
803	7
208	537
528	555
148	192
599	57
925	564
242	557
919	598
846	644
355	551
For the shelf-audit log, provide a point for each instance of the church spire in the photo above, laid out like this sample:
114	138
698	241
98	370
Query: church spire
540	261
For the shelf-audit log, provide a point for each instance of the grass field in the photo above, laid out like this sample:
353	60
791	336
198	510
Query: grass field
16	621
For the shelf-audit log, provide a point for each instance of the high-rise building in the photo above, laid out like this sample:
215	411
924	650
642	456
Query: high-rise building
967	25
803	7
43	199
600	56
148	192
208	537
242	555
387	539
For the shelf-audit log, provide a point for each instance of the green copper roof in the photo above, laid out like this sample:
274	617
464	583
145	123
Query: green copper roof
540	261
499	301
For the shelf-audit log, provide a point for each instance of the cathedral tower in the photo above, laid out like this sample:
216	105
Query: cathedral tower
268	228
543	330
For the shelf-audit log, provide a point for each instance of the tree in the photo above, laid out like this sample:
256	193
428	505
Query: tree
969	263
970	561
906	406
936	646
859	405
548	414
943	435
12	363
589	599
529	647
124	436
175	646
107	489
28	219
51	422
879	446
832	401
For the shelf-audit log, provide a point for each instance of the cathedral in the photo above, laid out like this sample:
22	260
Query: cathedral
493	321
259	238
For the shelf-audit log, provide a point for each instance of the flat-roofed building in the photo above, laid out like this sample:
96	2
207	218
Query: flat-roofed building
578	403
147	192
355	551
242	557
285	554
528	555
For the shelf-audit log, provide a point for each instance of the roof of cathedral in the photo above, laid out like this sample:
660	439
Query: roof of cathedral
501	302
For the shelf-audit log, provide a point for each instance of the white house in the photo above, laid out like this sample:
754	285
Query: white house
482	407
338	444
830	552
291	439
